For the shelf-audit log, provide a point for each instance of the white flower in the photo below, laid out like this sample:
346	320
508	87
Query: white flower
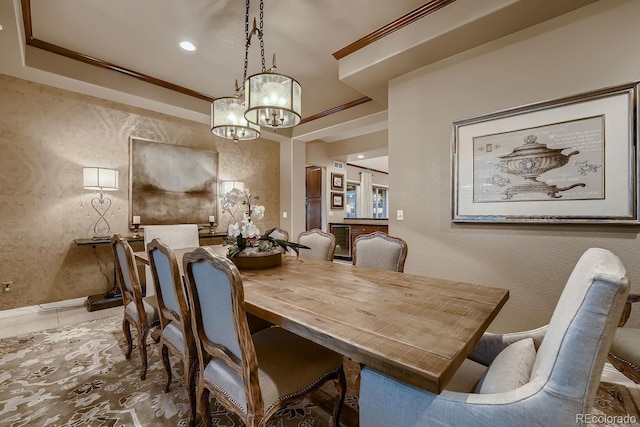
234	230
248	228
252	230
258	212
231	199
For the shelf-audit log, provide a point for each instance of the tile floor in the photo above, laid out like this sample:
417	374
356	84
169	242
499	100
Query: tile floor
32	319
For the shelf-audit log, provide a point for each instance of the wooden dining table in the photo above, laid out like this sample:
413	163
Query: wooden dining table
414	328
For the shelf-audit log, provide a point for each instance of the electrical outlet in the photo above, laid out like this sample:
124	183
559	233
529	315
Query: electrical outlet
6	286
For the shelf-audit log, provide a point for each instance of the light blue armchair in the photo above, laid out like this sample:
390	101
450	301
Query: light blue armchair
565	359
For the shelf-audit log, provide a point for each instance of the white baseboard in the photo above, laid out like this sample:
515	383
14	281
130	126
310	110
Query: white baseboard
70	303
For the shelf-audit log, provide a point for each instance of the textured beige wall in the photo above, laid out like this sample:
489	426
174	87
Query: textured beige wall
585	50
46	136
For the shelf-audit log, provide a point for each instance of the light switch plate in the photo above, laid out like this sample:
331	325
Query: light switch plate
284	214
400	215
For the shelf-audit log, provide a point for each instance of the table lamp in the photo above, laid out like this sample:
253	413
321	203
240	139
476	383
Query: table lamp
100	180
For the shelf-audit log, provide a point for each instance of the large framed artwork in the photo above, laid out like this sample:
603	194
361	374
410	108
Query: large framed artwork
171	184
569	160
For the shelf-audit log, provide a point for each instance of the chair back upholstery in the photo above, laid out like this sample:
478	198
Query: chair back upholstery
280	234
625	350
379	250
175	317
176	236
172	300
565	374
323	245
220	326
138	312
127	275
572	354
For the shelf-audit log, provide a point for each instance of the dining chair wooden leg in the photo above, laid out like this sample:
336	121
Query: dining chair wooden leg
341	390
126	328
142	343
191	373
203	404
167	367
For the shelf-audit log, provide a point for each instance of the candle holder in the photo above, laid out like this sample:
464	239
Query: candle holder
135	221
212	220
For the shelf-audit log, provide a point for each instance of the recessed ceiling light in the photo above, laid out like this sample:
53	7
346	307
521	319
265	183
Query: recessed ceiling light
188	46
360	156
0	27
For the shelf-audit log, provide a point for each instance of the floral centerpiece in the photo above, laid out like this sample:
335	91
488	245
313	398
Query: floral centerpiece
243	237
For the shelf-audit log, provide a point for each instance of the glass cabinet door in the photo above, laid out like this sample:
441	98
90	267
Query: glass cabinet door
351	202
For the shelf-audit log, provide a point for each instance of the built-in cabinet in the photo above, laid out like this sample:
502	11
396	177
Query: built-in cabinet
345	235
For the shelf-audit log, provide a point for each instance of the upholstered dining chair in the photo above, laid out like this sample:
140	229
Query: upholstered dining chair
279	234
251	375
545	377
139	312
322	245
379	250
175	317
176	236
625	350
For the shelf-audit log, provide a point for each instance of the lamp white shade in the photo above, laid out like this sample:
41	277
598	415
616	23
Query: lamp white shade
100	179
273	100
227	120
227	186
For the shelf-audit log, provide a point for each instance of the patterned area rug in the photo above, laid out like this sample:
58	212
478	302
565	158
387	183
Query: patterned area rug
78	376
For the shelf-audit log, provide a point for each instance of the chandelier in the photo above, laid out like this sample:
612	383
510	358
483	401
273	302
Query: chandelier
265	99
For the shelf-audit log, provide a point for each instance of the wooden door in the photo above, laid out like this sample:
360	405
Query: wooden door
314	197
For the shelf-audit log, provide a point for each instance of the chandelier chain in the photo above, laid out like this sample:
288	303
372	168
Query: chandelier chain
264	68
247	42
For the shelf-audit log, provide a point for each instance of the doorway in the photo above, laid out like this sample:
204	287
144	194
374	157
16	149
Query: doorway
313	198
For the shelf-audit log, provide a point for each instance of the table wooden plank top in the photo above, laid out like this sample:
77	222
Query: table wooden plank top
414	328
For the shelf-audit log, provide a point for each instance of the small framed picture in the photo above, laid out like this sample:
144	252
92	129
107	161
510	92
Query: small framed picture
337	181
337	200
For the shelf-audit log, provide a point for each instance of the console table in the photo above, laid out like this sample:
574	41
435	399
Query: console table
113	297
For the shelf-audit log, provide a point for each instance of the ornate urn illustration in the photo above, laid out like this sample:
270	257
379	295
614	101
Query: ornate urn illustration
530	160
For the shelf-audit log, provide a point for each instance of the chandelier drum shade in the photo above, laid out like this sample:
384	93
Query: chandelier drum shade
267	98
228	121
273	100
